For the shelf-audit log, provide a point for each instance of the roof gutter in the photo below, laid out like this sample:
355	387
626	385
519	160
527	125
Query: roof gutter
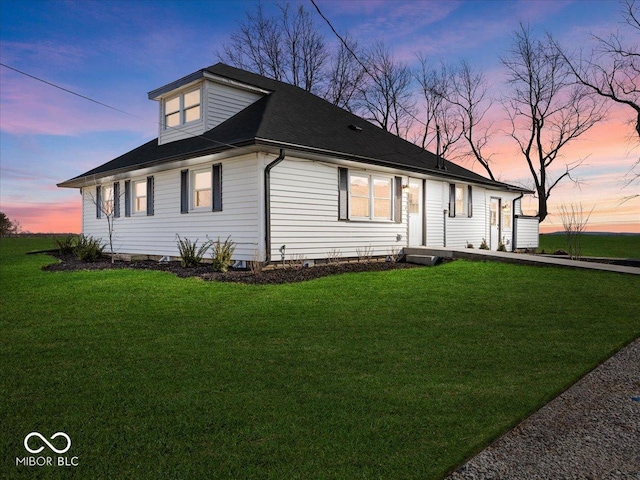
389	164
267	207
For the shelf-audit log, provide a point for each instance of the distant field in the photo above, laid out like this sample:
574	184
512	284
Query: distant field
620	246
399	374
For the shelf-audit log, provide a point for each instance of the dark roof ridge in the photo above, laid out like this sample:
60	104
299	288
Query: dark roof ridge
290	115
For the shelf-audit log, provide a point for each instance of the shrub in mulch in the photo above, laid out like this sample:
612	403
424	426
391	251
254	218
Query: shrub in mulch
277	275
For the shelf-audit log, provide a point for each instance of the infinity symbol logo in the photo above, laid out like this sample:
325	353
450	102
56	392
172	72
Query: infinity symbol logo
38	450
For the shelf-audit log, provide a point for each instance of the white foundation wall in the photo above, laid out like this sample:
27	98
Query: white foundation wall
304	216
156	235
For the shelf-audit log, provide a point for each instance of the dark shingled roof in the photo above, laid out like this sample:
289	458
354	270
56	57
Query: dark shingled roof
290	117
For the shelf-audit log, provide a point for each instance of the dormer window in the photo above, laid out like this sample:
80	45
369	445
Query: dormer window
182	108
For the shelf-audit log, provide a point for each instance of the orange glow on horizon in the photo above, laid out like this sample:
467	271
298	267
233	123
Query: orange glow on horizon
56	218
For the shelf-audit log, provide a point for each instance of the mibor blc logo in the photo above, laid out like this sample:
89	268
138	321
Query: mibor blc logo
35	443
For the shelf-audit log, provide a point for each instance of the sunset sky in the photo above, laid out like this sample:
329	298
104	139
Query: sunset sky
116	51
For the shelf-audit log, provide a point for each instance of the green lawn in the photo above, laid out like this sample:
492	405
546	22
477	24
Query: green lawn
399	374
621	246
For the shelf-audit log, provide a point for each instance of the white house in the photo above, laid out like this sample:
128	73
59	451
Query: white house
270	164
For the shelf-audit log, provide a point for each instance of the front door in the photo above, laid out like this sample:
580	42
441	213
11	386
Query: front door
416	201
495	223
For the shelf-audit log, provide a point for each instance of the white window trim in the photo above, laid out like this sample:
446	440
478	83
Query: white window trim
506	215
465	211
462	212
192	190
372	177
108	202
181	108
134	197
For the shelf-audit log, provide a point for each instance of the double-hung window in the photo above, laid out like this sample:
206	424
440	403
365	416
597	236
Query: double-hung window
460	200
371	197
182	108
107	200
140	196
360	190
506	215
365	196
459	208
201	189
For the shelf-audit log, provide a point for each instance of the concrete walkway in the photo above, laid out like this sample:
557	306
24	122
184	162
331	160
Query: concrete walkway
510	257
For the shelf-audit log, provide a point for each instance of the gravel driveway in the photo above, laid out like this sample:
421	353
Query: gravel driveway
591	431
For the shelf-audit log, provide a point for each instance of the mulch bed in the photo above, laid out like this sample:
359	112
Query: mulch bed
277	275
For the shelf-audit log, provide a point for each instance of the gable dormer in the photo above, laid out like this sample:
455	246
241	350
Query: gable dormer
199	102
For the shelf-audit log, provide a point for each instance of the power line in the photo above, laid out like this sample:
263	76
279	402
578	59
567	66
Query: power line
68	91
84	97
364	67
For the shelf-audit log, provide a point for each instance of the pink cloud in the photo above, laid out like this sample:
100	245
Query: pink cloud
31	107
59	217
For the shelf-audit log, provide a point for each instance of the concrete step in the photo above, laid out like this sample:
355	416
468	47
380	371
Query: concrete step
428	260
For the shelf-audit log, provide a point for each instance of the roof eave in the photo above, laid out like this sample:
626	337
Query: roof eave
389	164
87	180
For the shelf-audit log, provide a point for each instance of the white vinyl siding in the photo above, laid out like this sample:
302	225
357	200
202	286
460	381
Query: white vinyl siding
304	215
200	109
463	229
156	235
436	195
223	102
526	228
304	201
527	232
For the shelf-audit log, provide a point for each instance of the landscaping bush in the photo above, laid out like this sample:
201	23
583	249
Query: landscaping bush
221	254
88	249
190	254
67	245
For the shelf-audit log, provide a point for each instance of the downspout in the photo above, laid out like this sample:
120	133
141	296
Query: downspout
445	214
267	207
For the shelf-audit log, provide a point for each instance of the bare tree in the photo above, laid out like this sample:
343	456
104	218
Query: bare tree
107	203
574	221
546	109
288	47
612	70
386	96
256	45
304	47
435	85
469	95
345	76
455	97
